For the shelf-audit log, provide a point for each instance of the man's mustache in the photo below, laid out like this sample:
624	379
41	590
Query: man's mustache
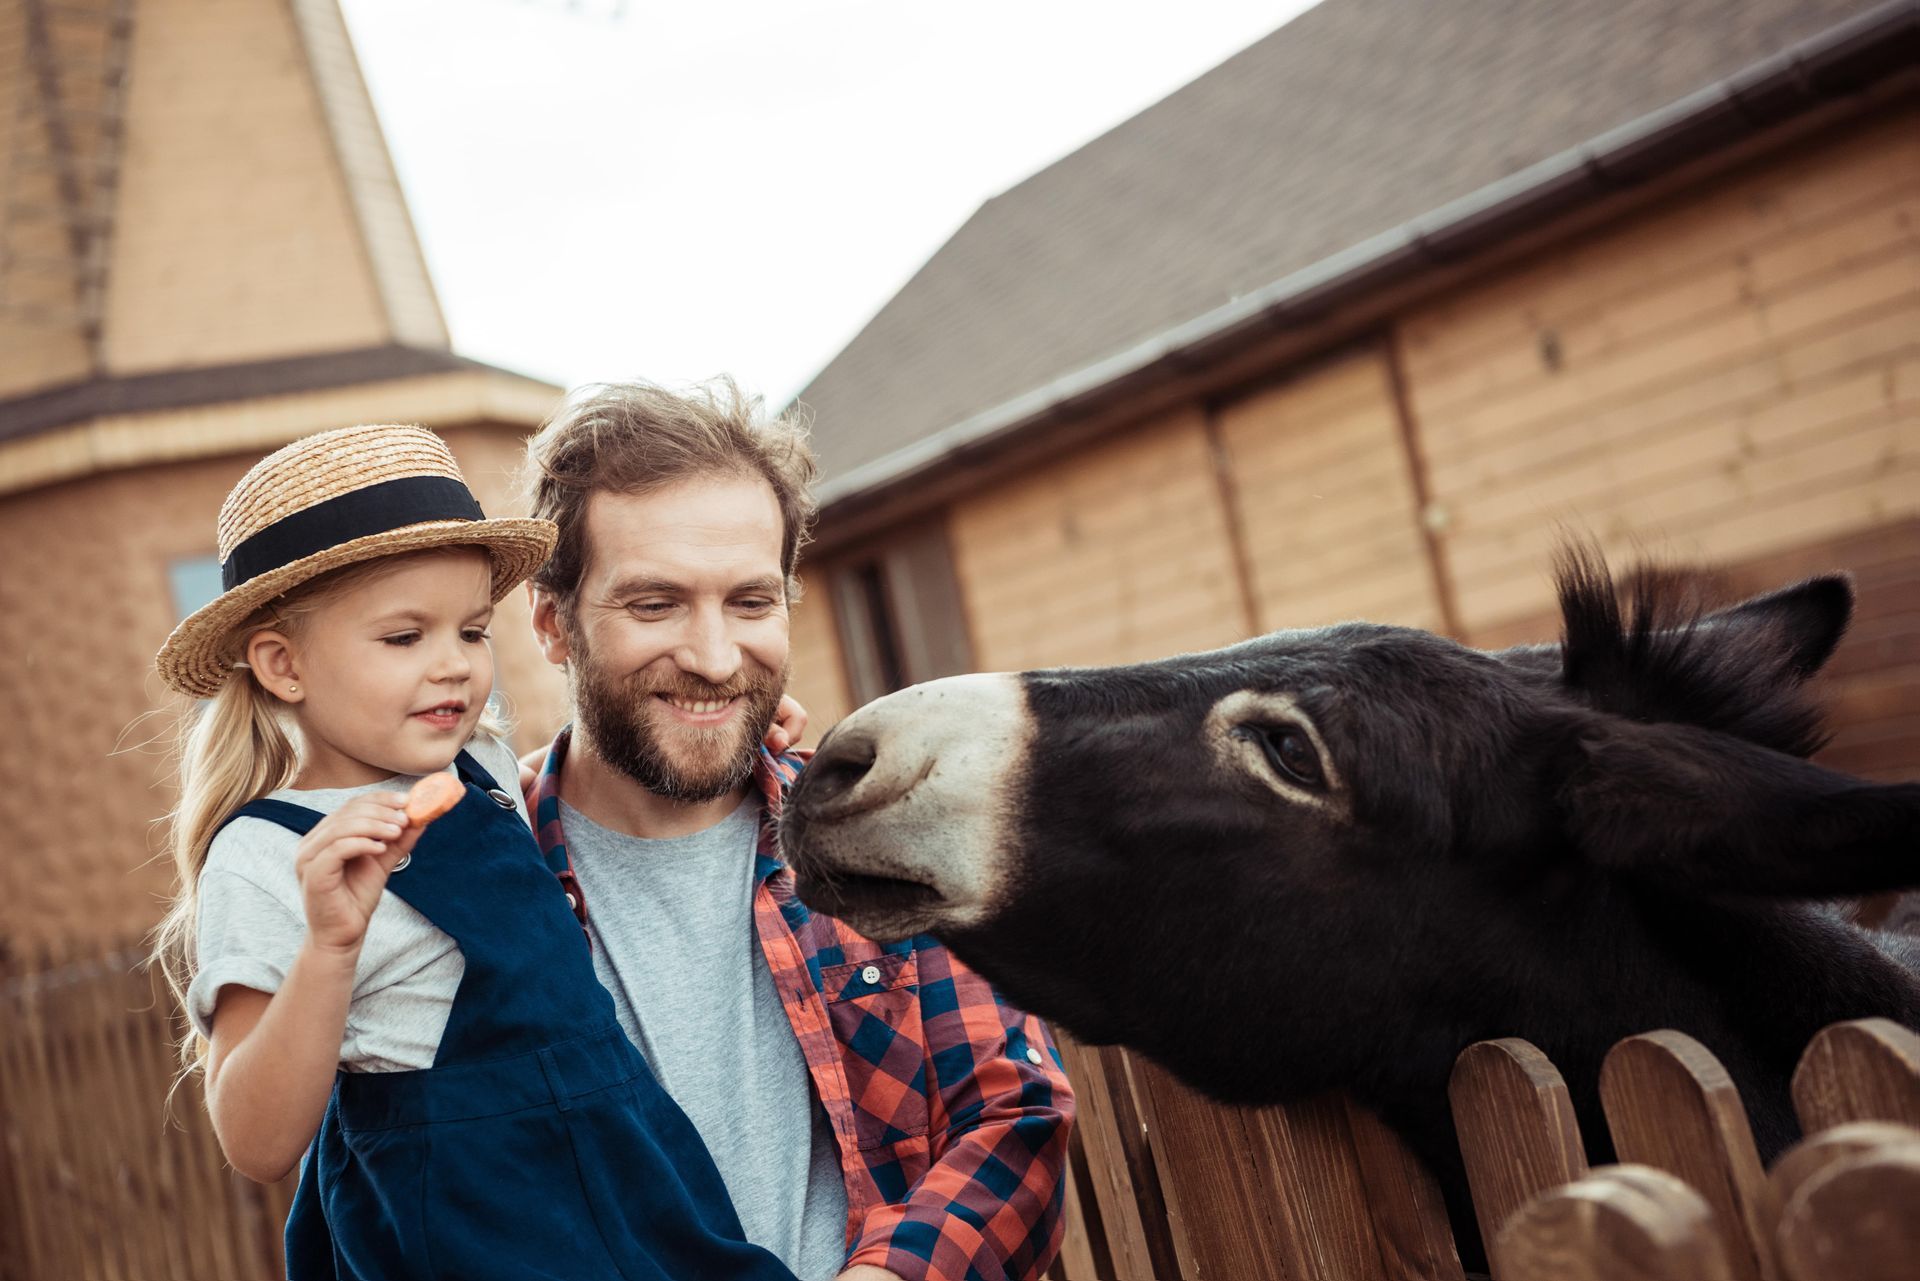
696	691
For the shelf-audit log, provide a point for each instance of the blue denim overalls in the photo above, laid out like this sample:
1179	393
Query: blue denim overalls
538	1145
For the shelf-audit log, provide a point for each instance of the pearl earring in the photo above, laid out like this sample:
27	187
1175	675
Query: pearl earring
293	689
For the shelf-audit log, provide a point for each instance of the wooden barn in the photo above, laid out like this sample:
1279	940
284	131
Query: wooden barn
1359	325
204	254
1354	324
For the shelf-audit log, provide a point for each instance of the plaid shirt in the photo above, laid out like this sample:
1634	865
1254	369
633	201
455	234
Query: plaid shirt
950	1106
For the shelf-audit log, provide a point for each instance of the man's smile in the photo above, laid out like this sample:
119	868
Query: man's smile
700	711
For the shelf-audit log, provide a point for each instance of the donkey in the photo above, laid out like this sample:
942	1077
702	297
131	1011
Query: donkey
1334	858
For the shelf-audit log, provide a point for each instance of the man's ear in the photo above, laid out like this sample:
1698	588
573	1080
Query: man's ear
275	665
549	627
1708	813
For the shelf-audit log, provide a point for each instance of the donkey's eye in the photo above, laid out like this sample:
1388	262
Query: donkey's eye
1291	753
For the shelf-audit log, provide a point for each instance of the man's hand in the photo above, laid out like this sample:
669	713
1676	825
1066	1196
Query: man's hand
867	1272
789	724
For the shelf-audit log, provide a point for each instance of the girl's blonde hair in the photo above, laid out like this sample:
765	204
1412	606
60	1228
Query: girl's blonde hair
237	748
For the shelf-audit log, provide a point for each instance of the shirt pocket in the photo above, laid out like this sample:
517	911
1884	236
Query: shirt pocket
874	1007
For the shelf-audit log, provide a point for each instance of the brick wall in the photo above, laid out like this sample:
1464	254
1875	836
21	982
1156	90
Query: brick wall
84	603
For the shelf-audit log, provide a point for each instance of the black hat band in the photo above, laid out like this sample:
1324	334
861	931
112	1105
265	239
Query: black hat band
376	509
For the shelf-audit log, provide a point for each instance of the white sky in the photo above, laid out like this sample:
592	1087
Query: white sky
702	186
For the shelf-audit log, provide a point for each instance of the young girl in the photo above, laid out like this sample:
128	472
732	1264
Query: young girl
413	1007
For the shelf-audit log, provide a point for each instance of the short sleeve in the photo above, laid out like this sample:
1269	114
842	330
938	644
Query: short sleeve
247	935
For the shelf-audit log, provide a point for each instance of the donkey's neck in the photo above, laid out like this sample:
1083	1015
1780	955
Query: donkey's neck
1752	981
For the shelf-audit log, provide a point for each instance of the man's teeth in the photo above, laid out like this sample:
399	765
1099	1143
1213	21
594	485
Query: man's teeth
702	708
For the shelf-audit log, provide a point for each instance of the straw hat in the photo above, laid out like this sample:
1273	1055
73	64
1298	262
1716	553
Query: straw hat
335	499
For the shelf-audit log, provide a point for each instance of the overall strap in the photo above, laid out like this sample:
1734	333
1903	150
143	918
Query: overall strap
472	771
295	818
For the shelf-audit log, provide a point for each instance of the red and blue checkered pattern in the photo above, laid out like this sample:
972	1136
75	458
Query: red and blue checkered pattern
953	1139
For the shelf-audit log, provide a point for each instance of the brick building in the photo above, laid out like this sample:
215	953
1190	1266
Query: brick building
204	254
1351	325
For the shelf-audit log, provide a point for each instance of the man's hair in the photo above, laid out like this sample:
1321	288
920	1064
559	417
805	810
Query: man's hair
634	437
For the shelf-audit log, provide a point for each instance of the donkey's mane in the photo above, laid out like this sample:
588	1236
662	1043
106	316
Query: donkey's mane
1644	649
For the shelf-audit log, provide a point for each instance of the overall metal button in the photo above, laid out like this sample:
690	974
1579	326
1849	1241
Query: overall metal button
401	866
501	799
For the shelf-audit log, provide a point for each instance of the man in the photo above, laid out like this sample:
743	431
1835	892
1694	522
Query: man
873	1109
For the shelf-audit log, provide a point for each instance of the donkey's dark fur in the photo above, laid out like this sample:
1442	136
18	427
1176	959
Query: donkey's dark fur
1569	844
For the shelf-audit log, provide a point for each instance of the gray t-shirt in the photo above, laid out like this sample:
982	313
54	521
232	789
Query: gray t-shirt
252	922
674	942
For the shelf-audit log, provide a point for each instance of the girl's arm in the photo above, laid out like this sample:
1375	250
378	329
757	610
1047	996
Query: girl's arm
273	1061
274	1056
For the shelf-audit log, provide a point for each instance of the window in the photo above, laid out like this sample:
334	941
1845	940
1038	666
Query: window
899	611
195	581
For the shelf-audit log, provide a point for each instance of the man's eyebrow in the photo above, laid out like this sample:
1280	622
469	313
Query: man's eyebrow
644	587
768	584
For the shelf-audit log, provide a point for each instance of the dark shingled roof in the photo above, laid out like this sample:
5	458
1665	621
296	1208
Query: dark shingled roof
1352	119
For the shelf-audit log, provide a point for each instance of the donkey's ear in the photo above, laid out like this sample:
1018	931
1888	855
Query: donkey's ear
1793	631
1705	812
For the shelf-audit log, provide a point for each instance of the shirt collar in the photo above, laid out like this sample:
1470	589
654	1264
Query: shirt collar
772	776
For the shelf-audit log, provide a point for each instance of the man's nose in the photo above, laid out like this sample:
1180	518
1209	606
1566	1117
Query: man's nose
709	650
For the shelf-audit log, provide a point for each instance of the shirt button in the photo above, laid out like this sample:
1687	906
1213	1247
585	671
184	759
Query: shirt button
870	975
1035	1057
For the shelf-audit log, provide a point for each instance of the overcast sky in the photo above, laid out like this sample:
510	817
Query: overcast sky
689	187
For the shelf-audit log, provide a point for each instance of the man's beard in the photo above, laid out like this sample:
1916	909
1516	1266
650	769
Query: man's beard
628	727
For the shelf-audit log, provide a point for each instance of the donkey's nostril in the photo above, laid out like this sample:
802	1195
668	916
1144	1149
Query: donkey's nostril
837	769
858	768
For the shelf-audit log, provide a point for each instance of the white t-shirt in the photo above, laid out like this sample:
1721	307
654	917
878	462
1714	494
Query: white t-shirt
252	923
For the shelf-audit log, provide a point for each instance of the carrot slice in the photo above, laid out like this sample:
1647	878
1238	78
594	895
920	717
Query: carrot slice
433	796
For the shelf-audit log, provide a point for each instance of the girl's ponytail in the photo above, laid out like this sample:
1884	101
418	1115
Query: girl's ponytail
233	749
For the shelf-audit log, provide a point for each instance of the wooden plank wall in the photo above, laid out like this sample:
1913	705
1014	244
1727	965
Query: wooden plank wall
1325	500
1731	374
1871	688
1118	554
819	681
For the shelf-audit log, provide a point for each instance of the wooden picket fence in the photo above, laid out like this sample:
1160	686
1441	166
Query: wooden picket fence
102	1174
1167	1185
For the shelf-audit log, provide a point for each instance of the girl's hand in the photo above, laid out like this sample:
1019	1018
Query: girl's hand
343	865
789	723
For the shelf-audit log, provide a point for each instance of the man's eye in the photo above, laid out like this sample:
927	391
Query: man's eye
651	608
755	605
